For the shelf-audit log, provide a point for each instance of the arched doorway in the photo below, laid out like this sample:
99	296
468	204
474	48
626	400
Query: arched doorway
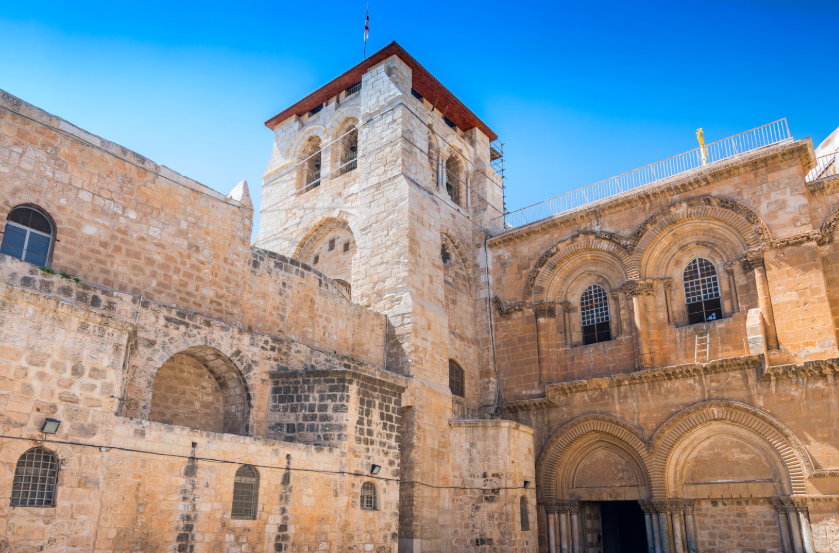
201	388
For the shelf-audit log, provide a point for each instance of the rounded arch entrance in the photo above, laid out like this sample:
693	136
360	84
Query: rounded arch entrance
330	247
594	458
200	387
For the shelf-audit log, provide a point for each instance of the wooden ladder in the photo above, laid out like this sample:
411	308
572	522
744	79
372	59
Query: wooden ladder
703	346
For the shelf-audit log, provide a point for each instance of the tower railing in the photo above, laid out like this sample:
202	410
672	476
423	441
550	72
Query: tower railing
826	166
728	148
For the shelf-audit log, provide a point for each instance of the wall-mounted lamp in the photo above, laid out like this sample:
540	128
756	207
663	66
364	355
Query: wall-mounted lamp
50	426
374	470
527	483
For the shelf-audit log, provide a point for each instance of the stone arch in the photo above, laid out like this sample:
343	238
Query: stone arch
666	253
344	146
742	220
339	117
181	394
457	260
316	232
571	443
607	244
330	248
772	432
154	352
315	130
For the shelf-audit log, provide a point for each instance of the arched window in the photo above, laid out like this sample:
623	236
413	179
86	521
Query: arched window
456	380
36	475
345	154
368	497
453	178
310	164
525	516
28	236
245	493
702	291
594	315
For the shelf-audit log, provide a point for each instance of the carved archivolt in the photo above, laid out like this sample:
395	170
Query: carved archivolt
316	233
829	225
789	447
656	453
566	439
745	224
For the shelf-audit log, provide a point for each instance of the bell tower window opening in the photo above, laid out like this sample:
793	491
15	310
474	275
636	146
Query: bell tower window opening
310	166
28	236
702	291
594	315
453	178
457	384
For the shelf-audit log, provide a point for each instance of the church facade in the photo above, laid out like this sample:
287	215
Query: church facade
398	365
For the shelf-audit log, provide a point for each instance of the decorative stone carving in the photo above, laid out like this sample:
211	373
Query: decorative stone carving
507	309
545	310
638	287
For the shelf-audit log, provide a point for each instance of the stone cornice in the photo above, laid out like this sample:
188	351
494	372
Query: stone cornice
553	392
800	149
823	187
384	379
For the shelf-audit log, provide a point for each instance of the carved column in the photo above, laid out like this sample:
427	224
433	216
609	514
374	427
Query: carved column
804	519
649	513
550	512
441	167
794	524
667	284
678	524
468	192
783	524
690	526
545	314
564	545
662	508
754	262
639	291
732	284
566	321
574	535
616	317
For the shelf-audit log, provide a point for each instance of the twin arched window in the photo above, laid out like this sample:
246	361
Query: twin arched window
36	476
245	493
457	384
28	236
594	315
368	497
702	291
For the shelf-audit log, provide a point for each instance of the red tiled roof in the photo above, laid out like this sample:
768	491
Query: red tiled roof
423	82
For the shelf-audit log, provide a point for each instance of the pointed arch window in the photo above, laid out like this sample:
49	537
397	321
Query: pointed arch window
245	493
525	516
594	315
36	476
453	174
368	497
28	236
702	291
457	385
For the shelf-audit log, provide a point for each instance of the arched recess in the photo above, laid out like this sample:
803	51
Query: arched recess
329	247
200	387
460	320
729	220
555	261
604	441
344	147
678	441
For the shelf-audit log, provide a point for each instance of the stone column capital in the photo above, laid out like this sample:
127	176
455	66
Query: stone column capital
551	507
569	506
667	283
646	506
544	310
752	260
566	306
660	505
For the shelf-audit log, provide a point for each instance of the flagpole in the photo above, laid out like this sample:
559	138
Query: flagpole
366	29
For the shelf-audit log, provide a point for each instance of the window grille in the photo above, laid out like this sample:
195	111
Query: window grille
35	479
702	291
28	236
314	111
368	497
245	493
525	516
353	89
594	315
349	163
456	380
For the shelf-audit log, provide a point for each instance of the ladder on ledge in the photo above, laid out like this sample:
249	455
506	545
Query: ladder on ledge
703	346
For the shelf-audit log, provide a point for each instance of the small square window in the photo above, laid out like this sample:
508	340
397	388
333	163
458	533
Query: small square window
315	260
346	246
332	244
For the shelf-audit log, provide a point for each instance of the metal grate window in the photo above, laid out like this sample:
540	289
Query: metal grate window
702	291
28	236
368	497
594	305
525	516
245	493
701	281
456	379
36	475
354	88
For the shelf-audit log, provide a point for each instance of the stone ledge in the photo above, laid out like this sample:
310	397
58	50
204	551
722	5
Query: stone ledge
823	187
491	423
379	378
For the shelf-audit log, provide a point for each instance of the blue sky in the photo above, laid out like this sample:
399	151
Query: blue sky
578	91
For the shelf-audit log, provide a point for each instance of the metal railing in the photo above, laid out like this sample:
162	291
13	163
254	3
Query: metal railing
349	163
766	135
312	181
826	166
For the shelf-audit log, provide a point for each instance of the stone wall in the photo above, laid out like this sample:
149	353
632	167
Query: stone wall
725	526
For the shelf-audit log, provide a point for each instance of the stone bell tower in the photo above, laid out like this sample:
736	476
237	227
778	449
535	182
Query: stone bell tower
382	180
